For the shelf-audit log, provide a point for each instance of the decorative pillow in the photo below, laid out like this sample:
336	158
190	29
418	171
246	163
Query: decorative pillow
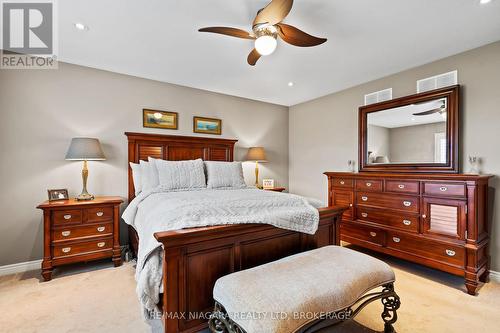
224	174
175	175
149	175
136	176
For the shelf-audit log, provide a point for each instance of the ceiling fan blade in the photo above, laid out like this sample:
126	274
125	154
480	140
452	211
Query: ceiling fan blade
297	37
233	32
253	57
274	12
426	113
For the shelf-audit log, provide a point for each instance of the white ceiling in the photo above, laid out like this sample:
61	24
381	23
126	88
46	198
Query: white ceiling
367	39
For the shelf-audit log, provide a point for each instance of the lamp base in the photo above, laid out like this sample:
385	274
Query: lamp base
84	196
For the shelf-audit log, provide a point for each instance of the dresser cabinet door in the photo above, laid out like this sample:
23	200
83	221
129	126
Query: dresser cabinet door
343	198
444	217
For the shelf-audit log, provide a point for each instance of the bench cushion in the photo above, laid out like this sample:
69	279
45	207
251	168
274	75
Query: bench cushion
272	297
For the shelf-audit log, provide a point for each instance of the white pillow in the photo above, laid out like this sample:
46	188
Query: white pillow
224	174
137	177
174	175
149	175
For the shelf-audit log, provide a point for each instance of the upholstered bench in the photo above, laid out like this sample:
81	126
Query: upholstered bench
303	293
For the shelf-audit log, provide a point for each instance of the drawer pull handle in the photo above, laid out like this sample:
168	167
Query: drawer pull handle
350	205
66	249
99	214
406	222
424	216
101	244
364	198
342	182
396	239
443	189
450	253
407	203
101	229
401	186
373	234
368	184
67	216
66	233
364	214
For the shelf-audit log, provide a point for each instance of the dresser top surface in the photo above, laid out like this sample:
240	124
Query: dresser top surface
75	203
417	176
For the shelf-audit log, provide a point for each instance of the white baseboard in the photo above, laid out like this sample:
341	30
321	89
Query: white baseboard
495	276
20	267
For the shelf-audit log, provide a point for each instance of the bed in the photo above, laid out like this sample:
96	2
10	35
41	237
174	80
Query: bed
193	259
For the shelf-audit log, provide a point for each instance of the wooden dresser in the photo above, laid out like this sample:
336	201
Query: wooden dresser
438	220
76	231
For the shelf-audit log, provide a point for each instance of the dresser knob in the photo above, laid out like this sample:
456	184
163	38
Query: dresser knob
364	214
368	184
67	216
66	233
401	186
424	216
99	214
443	189
342	182
350	205
396	239
101	229
406	222
450	253
407	203
66	249
364	198
101	244
373	234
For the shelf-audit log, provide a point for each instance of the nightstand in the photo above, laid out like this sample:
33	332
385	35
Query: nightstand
276	189
76	231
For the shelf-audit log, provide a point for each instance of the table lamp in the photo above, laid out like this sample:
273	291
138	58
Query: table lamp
256	154
85	149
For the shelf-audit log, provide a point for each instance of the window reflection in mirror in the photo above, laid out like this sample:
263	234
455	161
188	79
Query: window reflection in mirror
413	133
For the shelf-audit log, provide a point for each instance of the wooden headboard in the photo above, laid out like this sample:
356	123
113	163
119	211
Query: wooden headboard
175	148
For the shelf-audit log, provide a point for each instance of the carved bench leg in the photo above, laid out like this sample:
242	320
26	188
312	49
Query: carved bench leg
391	304
220	322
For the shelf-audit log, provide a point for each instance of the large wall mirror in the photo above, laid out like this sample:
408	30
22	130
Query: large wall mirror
417	133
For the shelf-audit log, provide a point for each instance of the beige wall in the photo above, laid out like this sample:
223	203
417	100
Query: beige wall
324	133
40	110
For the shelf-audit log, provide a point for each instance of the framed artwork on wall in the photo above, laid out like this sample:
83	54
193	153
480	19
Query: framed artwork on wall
159	119
207	125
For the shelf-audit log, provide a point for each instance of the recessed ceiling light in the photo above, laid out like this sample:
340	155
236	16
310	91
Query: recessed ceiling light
81	26
484	2
290	84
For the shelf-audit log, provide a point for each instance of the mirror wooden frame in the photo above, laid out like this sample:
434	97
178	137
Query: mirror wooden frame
452	133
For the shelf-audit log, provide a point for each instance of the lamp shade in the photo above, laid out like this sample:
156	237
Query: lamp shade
85	149
257	154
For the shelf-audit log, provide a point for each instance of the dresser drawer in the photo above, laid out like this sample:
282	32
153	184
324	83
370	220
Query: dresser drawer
402	186
360	234
99	214
63	217
72	233
445	189
343	182
442	252
368	185
67	250
406	222
390	201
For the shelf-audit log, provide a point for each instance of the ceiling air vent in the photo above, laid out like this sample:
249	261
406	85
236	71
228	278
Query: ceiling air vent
378	96
438	81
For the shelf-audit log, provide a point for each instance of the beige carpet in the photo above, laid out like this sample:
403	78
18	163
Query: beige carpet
101	298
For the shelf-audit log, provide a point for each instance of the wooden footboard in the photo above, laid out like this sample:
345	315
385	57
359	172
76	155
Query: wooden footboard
195	258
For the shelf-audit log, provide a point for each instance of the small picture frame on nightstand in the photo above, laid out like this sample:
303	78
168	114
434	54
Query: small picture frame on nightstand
58	194
267	184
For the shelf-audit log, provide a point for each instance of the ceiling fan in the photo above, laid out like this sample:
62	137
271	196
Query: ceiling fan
441	110
266	28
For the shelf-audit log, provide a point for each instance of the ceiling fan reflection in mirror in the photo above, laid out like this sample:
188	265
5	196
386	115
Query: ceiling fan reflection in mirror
266	28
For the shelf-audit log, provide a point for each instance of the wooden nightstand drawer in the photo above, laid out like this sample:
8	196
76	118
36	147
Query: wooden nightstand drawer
62	217
72	233
72	249
99	214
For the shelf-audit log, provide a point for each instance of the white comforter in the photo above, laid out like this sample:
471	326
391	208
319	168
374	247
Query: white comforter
162	211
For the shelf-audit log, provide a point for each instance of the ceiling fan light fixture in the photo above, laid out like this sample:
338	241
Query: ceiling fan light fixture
266	45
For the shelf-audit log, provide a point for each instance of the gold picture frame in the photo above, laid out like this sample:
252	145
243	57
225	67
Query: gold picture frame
207	125
58	194
160	119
